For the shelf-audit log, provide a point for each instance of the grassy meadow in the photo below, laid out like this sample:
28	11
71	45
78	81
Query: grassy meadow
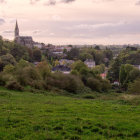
31	116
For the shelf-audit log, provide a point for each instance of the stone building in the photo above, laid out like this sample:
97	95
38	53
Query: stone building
23	40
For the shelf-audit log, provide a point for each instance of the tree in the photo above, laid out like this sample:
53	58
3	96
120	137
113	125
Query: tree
37	55
73	54
78	65
108	53
125	75
6	59
44	69
97	47
19	52
9	69
98	57
99	69
114	70
85	56
122	74
134	74
134	87
94	84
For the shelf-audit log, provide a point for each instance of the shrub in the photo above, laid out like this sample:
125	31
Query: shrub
74	72
2	81
89	96
106	85
94	84
69	83
28	76
44	69
4	78
134	87
14	85
37	84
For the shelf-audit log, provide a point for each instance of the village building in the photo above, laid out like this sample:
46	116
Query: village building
90	63
25	40
66	62
137	66
61	68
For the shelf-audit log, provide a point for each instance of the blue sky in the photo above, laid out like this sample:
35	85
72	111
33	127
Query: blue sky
73	21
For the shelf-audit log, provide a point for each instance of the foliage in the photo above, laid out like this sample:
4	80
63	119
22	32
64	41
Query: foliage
99	69
78	65
69	83
134	88
19	52
37	55
73	54
14	85
128	74
94	84
5	60
128	56
84	56
44	69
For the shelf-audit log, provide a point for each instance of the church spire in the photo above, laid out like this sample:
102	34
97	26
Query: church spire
16	30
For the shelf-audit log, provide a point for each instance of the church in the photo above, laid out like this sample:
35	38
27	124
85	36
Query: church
23	40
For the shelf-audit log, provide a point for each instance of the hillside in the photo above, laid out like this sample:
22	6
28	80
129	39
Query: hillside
29	116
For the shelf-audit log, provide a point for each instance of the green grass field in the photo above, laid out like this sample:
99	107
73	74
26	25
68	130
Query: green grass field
30	116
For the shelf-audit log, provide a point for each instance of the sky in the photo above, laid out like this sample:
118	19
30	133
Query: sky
72	21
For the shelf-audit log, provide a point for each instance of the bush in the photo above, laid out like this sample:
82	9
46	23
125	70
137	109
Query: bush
89	96
28	76
106	85
134	87
94	84
4	78
69	83
14	85
2	81
44	69
37	84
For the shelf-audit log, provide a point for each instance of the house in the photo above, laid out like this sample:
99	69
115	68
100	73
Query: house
137	66
38	45
61	68
66	62
116	83
90	63
103	75
36	63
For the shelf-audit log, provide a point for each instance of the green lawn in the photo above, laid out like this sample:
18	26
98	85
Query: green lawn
31	116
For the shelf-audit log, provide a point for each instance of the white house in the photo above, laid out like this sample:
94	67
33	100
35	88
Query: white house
90	63
137	66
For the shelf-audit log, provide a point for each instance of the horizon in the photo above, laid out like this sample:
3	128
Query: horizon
63	22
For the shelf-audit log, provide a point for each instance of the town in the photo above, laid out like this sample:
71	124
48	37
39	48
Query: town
69	70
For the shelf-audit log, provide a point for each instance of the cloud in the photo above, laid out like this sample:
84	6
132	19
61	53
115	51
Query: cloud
138	2
2	1
36	32
2	21
50	3
8	32
34	1
100	1
95	26
67	1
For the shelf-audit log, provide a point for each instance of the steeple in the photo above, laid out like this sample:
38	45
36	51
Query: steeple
16	30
